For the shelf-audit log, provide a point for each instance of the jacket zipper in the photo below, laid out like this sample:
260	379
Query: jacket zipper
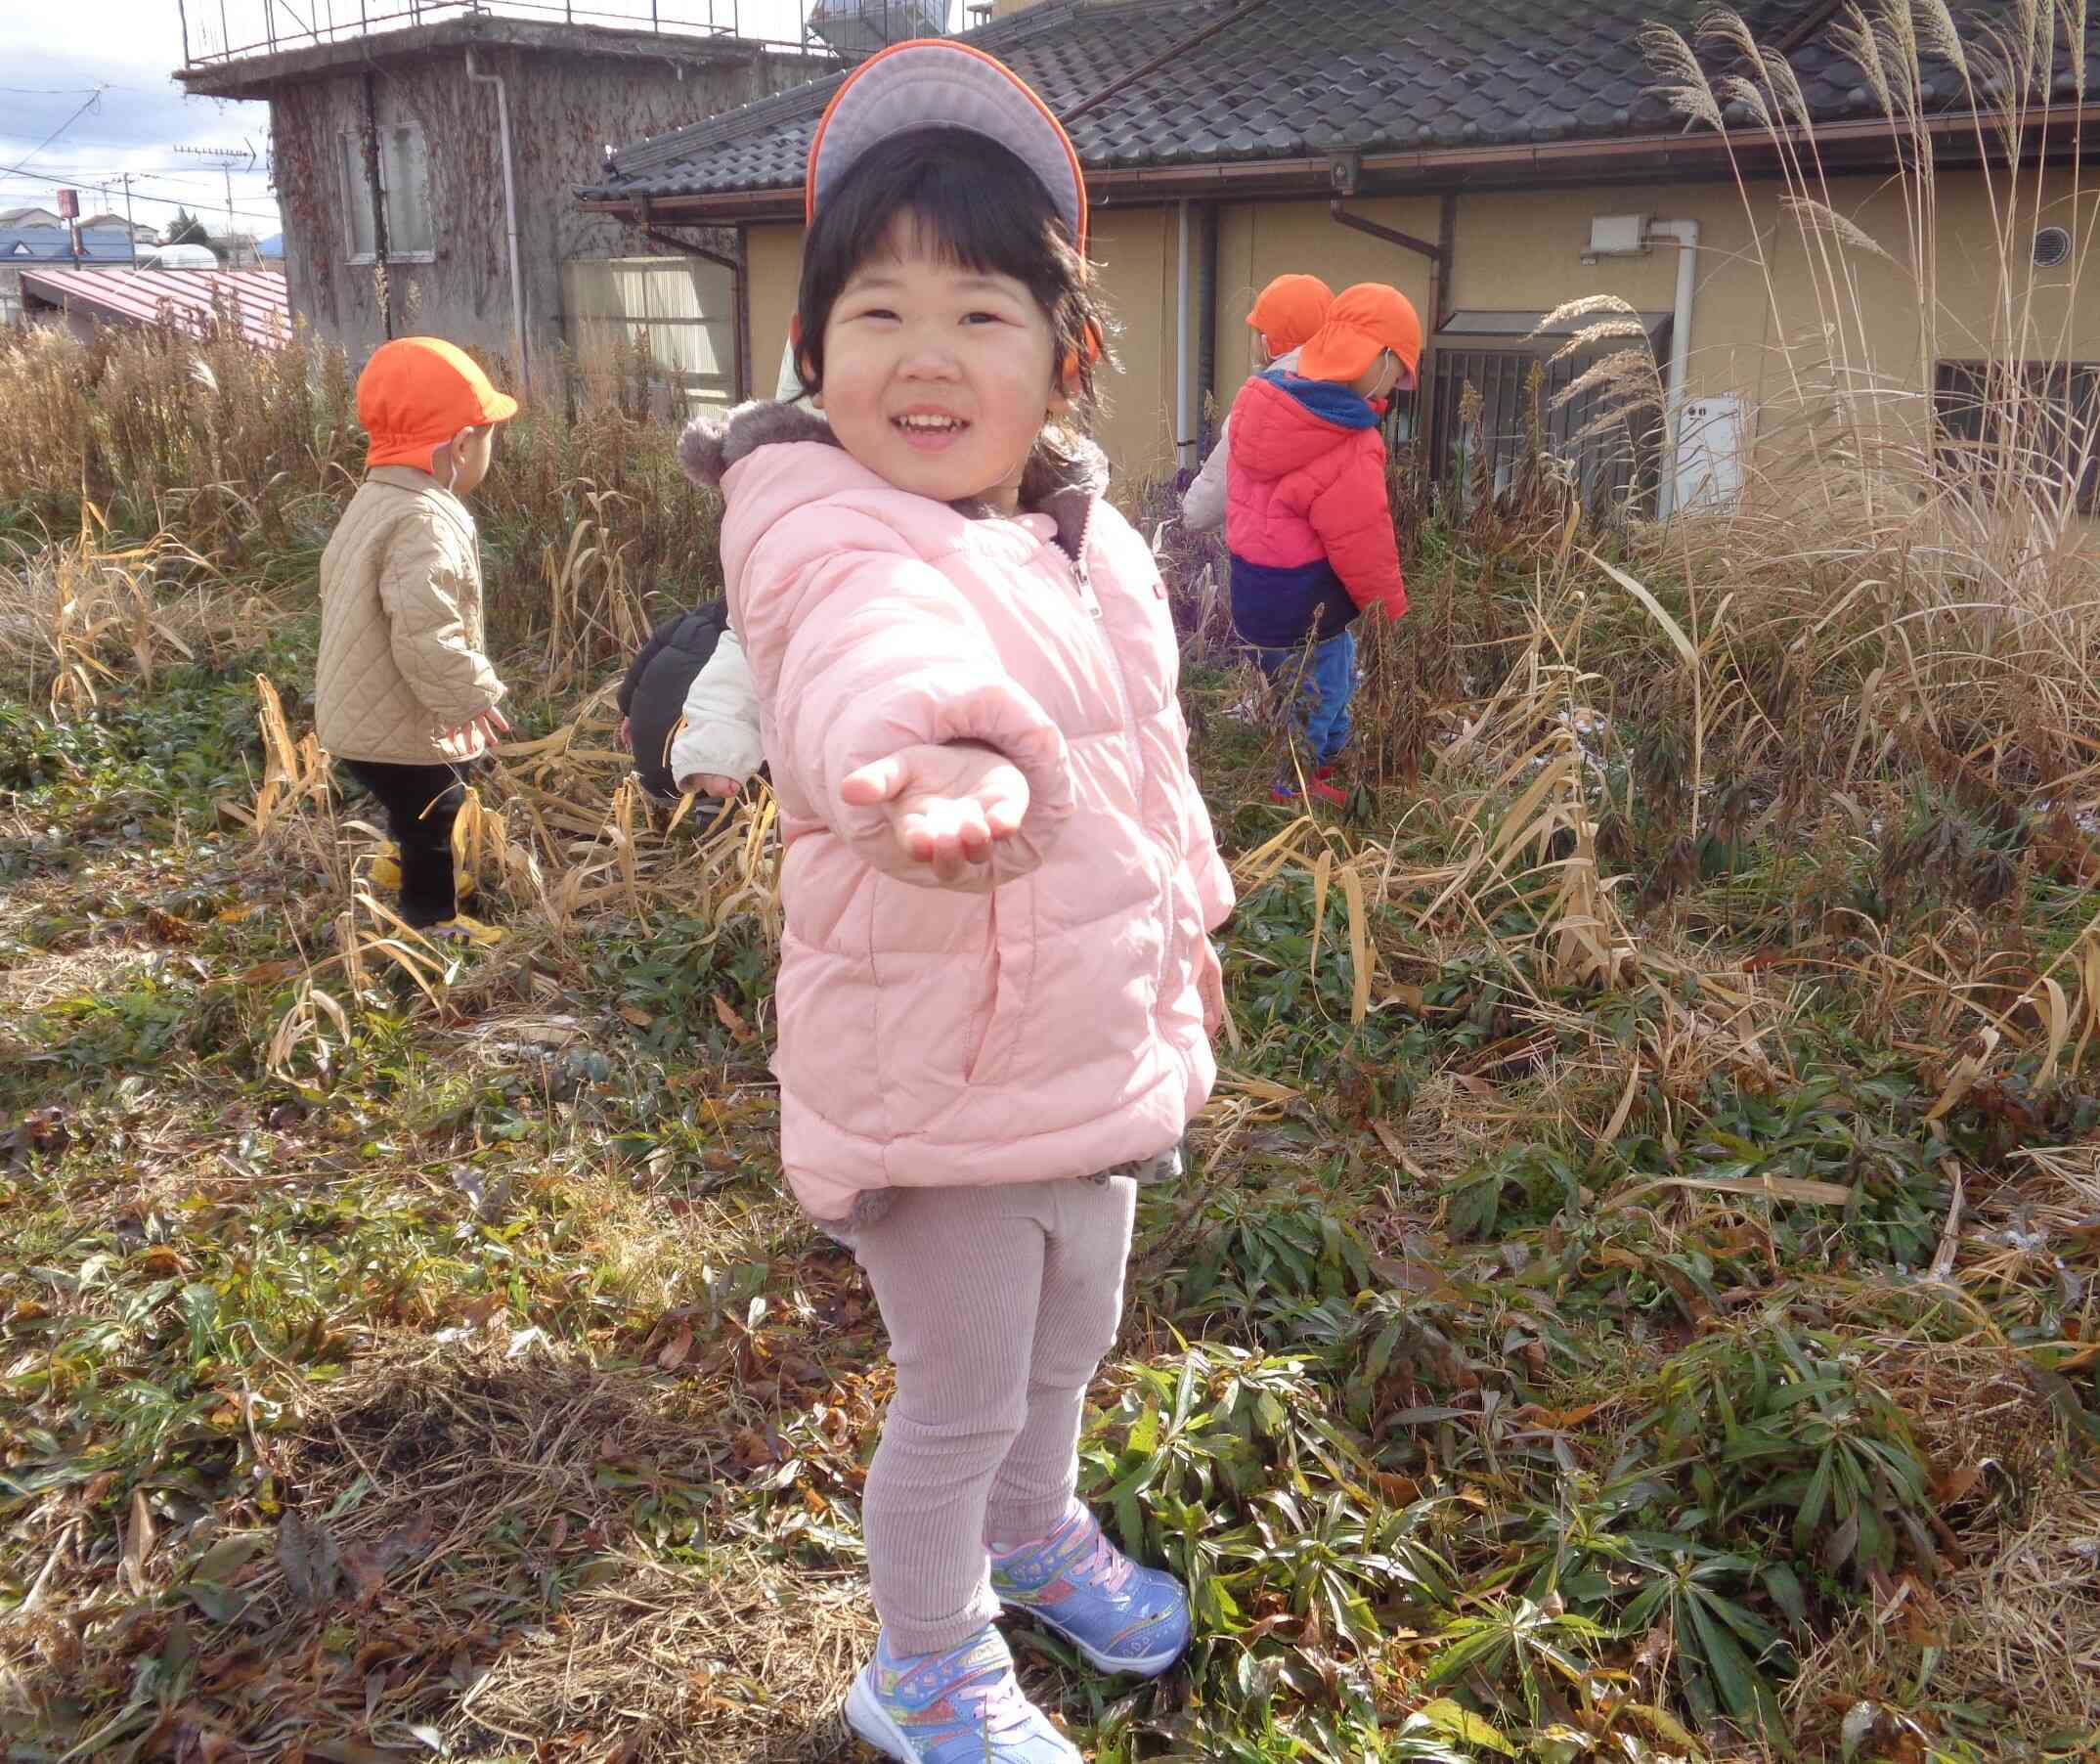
1083	578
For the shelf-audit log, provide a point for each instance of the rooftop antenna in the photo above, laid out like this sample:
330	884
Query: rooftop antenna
227	157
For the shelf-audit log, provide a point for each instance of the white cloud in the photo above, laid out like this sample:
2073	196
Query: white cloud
53	57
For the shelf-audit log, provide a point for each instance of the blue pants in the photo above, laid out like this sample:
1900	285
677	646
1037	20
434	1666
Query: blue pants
1326	683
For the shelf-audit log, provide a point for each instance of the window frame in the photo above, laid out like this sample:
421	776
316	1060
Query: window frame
1503	349
354	184
1960	387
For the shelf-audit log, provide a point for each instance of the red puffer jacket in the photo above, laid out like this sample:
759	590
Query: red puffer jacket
1306	518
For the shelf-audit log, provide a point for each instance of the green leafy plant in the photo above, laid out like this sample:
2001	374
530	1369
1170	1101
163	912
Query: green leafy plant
1521	1644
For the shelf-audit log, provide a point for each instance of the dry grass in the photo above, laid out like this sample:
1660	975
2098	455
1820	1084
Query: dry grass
734	1664
1876	572
79	615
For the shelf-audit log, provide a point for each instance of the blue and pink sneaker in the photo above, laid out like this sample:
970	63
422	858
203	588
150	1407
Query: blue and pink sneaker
963	1706
1124	1618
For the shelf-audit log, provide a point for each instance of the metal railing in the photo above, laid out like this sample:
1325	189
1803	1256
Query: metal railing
215	31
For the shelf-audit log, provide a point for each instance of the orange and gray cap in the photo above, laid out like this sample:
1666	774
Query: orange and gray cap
417	393
935	83
1364	321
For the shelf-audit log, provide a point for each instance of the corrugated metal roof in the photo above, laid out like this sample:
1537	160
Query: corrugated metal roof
255	298
1294	81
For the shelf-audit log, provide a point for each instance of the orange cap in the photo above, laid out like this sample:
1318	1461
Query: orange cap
1290	310
417	393
1364	319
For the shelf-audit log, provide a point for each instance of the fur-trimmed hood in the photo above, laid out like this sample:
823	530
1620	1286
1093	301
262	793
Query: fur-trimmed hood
1066	473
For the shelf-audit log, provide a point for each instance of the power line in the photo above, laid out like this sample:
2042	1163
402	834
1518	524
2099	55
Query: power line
92	97
165	201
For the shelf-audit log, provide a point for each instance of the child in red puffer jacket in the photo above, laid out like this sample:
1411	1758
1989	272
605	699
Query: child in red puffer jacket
1307	521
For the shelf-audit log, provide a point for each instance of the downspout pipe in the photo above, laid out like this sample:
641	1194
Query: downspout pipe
1184	423
1687	235
510	213
1206	315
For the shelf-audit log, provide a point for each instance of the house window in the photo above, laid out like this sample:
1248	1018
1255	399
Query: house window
1512	370
405	190
2014	423
684	306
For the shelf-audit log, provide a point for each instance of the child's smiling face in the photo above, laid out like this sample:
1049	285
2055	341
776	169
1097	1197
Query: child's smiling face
938	377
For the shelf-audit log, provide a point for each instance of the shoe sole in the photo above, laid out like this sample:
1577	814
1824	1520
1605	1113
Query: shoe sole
871	1724
1149	1665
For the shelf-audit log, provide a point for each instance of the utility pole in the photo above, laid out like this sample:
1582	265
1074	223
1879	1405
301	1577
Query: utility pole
131	227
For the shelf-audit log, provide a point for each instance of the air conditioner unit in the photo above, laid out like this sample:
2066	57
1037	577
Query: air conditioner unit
864	26
1619	236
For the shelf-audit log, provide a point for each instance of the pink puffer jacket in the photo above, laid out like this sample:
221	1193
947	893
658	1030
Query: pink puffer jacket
1047	1024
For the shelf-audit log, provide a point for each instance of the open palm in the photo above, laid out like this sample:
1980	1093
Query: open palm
947	804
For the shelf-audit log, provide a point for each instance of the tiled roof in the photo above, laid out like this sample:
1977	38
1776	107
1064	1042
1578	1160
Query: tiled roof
1297	79
257	298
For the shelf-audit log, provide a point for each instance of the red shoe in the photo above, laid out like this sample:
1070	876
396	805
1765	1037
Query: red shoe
1318	786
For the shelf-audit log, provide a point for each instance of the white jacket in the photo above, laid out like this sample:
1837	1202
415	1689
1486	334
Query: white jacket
719	735
1203	503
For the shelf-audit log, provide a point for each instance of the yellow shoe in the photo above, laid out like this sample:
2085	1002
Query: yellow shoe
385	872
459	929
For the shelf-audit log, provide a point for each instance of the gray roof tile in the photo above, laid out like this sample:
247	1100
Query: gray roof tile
1290	80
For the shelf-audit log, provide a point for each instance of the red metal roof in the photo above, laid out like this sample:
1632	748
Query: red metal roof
256	298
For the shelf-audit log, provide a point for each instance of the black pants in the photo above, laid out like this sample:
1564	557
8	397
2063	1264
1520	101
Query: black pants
421	803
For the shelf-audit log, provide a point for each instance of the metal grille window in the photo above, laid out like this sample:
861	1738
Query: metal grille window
2000	425
1497	355
404	186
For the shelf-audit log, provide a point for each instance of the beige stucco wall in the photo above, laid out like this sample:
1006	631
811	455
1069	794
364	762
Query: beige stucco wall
1257	242
1761	291
773	264
1757	318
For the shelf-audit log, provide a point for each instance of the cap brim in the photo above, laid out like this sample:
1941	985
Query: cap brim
935	83
498	407
1338	357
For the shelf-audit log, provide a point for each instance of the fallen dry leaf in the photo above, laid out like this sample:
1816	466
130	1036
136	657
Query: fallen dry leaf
369	1564
680	1345
309	1558
139	1537
741	1030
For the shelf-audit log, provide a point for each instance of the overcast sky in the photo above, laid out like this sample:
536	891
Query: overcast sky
54	53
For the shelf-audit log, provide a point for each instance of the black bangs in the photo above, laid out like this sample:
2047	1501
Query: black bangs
962	197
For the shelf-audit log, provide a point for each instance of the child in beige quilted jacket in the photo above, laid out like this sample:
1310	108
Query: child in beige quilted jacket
403	692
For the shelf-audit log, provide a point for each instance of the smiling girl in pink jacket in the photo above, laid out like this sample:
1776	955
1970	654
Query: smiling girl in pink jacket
996	987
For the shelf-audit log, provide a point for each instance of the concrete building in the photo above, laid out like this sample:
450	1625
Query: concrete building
425	158
1493	161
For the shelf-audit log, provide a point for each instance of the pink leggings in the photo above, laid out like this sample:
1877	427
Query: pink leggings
1001	1304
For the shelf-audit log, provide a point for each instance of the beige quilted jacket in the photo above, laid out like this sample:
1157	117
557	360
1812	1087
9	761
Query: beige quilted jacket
401	630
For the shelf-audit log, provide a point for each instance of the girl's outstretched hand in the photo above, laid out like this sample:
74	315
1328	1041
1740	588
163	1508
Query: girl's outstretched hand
949	804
